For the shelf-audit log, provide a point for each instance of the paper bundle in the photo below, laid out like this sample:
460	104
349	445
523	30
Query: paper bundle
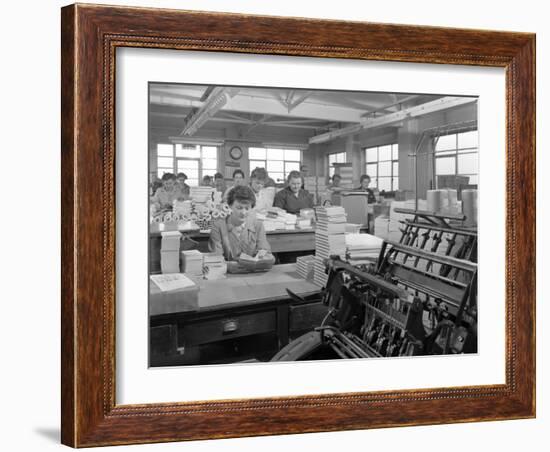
169	252
304	266
192	262
362	248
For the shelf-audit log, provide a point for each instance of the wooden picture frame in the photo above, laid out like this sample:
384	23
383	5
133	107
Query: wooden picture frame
90	36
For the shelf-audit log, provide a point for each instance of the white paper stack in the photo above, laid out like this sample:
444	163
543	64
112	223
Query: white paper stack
304	266
192	261
319	276
362	248
303	223
330	238
345	170
201	194
214	266
169	252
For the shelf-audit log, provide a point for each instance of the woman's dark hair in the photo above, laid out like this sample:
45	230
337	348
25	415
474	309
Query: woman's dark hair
241	193
363	177
238	171
168	176
182	175
336	176
294	175
218	176
259	173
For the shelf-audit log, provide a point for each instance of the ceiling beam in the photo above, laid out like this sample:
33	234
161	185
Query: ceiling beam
218	98
444	103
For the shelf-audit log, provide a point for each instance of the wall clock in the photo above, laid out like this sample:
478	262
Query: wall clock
236	153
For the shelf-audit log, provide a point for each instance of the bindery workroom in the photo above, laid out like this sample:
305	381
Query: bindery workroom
291	224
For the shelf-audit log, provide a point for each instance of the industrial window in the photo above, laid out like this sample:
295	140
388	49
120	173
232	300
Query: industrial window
382	165
336	157
196	161
456	154
277	162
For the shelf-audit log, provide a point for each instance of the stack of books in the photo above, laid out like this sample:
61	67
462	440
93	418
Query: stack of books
276	218
304	266
362	248
192	261
329	239
214	266
202	194
316	186
345	171
169	252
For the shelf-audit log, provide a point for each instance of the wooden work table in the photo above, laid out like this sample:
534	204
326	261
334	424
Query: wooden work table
281	241
234	315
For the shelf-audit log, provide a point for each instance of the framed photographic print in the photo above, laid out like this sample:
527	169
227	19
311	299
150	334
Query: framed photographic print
281	225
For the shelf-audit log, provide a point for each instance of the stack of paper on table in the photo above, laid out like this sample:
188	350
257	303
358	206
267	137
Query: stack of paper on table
304	266
214	266
169	252
275	218
362	248
192	261
329	239
175	292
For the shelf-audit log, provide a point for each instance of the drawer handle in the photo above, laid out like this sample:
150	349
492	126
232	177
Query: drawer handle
230	326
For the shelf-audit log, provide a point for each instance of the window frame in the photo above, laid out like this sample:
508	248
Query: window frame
455	153
394	162
266	160
175	158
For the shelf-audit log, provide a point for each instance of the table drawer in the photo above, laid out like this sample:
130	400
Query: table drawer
228	327
307	316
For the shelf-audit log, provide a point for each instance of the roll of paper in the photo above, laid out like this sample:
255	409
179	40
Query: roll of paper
469	206
437	200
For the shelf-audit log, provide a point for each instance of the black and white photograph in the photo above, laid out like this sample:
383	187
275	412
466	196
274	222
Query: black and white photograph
295	225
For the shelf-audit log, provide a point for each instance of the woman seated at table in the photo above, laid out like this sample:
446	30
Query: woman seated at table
240	232
293	197
164	196
238	179
264	195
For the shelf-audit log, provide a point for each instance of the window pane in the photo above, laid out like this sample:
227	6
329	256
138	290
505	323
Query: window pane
395	169
256	164
446	142
209	164
275	166
292	166
293	155
209	152
188	165
467	163
187	150
275	154
384	169
395	183
467	139
384	153
371	154
341	157
165	162
384	183
165	150
256	153
445	165
394	151
372	171
331	171
192	182
277	177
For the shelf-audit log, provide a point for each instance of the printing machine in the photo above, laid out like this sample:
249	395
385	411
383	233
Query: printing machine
420	298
